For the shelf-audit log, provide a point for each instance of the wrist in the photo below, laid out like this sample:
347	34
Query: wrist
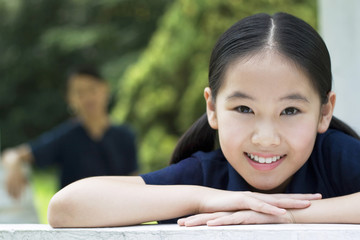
205	196
290	217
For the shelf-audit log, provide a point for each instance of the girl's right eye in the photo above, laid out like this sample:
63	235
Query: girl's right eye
244	109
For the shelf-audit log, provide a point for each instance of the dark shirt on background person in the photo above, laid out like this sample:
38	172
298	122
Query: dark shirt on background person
79	156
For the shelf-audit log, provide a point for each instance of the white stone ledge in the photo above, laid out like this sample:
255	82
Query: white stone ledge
164	232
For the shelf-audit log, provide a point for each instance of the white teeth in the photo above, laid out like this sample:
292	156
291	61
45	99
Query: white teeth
262	159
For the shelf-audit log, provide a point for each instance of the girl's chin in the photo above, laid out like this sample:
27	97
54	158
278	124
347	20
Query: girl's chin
270	188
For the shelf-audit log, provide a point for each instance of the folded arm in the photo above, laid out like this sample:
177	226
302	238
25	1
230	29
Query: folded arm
331	210
120	201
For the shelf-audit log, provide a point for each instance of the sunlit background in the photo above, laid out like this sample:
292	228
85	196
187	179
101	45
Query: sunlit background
154	53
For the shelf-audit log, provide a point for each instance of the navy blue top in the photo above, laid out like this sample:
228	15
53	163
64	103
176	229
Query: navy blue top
79	156
333	169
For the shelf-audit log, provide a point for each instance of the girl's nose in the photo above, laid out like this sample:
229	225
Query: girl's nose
265	135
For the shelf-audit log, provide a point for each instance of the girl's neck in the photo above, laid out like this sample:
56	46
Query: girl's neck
279	189
96	126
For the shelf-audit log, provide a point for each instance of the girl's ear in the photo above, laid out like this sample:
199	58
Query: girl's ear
326	113
210	108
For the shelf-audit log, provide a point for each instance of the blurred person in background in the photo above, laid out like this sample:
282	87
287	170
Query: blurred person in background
84	146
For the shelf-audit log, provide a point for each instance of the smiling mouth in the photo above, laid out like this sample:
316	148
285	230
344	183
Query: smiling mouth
266	160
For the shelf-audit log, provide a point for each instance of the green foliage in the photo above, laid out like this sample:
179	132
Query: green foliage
44	185
41	39
162	94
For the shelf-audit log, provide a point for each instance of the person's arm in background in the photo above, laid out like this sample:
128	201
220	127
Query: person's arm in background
13	160
42	152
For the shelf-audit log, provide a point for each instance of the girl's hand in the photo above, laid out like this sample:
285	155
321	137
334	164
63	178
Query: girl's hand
232	218
273	204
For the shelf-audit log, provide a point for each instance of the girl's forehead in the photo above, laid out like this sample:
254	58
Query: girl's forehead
265	56
266	71
267	63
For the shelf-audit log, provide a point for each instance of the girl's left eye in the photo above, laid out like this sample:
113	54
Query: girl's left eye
290	111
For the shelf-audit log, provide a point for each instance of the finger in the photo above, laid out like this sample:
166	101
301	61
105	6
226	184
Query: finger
10	187
244	217
196	220
292	203
200	219
183	221
261	206
315	196
225	220
15	191
287	200
15	188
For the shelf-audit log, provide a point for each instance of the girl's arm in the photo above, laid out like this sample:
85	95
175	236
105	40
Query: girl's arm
119	201
330	210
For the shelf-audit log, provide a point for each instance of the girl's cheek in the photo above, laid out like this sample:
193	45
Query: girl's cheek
301	136
233	130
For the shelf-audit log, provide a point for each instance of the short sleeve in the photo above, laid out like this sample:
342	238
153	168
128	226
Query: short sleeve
187	172
341	159
131	151
46	148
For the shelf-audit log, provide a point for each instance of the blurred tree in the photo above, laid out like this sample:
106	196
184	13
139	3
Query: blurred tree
162	94
41	39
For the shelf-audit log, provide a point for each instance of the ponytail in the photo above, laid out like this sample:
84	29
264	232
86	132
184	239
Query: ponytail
199	137
341	126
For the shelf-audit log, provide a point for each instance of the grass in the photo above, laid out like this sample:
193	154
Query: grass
45	185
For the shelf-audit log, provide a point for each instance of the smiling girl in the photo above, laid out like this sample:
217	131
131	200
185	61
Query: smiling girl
270	104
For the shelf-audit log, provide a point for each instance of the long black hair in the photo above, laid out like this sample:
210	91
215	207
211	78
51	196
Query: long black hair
282	32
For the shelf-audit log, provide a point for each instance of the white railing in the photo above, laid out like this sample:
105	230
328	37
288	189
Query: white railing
164	232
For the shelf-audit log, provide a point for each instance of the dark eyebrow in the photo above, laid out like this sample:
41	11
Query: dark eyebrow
238	94
295	96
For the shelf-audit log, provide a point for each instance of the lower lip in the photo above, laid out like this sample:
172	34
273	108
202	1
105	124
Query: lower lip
264	166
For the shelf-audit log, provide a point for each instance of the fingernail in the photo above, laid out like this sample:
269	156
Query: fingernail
282	211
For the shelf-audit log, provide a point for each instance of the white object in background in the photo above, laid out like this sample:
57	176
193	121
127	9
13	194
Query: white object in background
339	26
16	211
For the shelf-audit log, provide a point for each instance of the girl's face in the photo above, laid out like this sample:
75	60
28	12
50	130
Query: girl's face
267	114
87	96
